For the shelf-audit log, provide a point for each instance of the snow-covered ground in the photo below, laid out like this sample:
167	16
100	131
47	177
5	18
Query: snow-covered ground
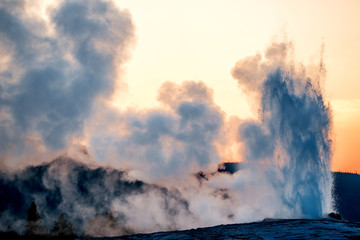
267	229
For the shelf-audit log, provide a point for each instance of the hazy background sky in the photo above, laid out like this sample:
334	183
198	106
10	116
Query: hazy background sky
167	90
201	40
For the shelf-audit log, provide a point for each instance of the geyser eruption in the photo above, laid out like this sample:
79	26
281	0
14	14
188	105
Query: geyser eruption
54	92
299	124
292	141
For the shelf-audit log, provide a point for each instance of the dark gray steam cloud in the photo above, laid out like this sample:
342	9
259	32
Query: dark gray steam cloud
53	77
259	144
162	143
54	74
49	81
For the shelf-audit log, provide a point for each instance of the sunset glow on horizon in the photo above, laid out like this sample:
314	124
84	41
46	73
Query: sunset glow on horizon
209	112
202	40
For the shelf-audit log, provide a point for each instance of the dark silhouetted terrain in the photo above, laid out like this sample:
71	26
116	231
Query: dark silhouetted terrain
267	229
79	191
64	185
346	191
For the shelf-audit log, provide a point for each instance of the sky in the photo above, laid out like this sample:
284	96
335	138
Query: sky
154	42
202	40
166	91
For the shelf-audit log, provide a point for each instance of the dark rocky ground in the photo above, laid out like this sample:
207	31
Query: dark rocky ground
267	229
19	189
346	194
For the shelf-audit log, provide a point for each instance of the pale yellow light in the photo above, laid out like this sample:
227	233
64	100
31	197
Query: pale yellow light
202	40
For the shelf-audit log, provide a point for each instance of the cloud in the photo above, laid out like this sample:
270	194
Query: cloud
251	72
55	75
51	81
172	94
81	192
258	144
172	141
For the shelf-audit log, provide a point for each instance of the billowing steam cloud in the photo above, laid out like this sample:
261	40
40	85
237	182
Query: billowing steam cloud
251	72
177	140
53	72
81	192
55	75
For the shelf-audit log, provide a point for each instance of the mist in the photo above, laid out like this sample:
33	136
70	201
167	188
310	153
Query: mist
153	169
54	71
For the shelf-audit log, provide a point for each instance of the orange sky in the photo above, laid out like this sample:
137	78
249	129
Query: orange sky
347	132
202	40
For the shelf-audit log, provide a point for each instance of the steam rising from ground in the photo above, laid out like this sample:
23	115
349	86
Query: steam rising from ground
292	139
55	80
53	72
174	141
